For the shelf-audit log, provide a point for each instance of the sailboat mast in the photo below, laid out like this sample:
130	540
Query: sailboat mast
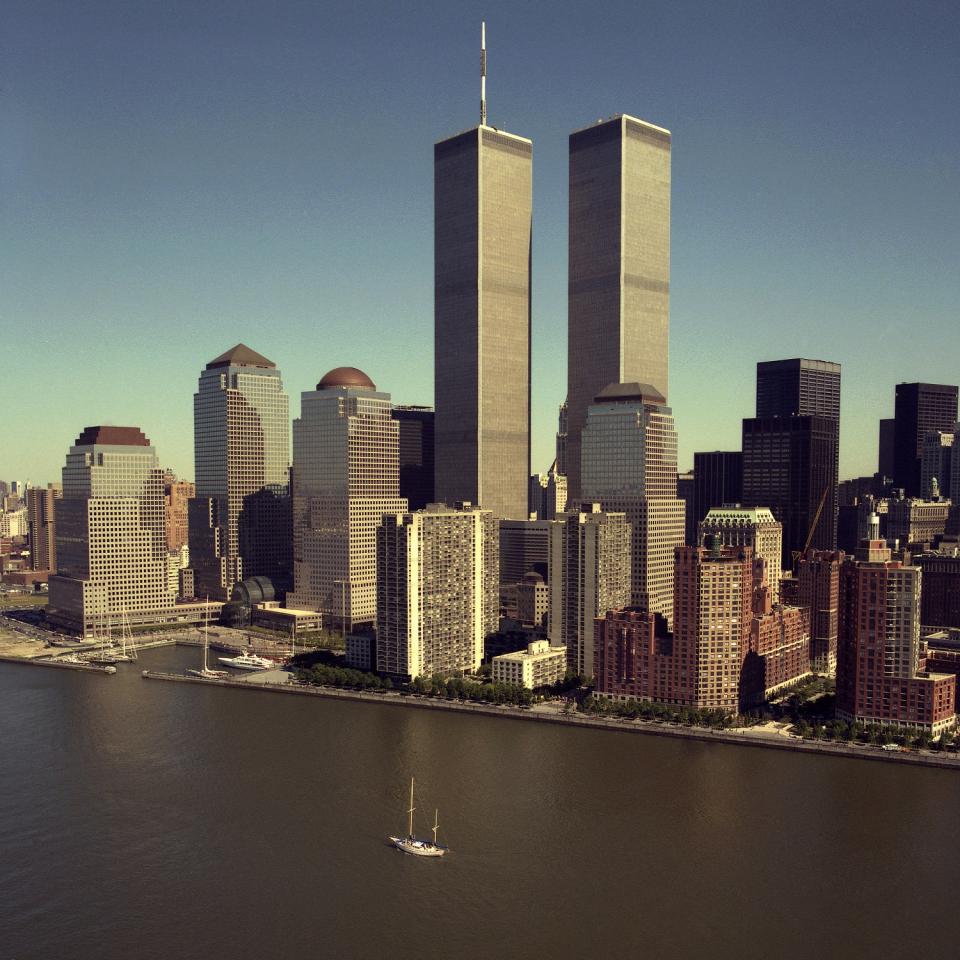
206	634
436	825
410	811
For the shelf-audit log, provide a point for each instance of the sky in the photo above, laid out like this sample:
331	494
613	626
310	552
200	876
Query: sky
177	177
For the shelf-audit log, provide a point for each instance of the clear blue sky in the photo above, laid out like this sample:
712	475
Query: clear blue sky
179	176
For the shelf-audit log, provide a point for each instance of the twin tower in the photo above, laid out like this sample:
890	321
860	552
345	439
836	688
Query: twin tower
618	295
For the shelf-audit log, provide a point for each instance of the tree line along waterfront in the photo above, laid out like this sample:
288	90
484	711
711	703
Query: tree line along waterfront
805	711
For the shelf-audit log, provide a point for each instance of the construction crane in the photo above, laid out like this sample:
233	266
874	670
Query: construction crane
797	554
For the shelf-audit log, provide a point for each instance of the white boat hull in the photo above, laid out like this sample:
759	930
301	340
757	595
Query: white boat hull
228	662
418	848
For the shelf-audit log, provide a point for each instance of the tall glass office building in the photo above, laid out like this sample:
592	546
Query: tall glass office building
346	476
240	517
111	539
629	465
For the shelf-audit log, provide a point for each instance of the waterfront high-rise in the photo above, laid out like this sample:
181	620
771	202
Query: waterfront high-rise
940	596
711	623
482	234
818	590
753	527
241	421
346	476
111	543
619	267
437	590
629	465
415	444
42	525
589	575
918	409
881	676
730	648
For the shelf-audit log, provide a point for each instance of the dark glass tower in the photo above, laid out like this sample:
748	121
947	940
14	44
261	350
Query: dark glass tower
798	388
918	408
416	454
717	480
791	451
790	465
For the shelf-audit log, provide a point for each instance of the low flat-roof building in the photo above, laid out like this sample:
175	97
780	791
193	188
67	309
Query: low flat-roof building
540	665
286	619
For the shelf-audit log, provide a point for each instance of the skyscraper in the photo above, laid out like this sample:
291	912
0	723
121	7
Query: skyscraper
589	575
42	520
711	624
936	463
111	543
437	590
790	466
753	527
241	419
562	421
798	388
791	450
629	465
482	222
818	590
416	448
177	495
619	266
717	481
880	675
346	476
886	456
918	408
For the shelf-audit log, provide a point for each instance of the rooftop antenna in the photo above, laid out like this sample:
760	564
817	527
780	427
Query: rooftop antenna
483	73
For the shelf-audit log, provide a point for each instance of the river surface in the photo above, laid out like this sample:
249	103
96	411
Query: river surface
144	820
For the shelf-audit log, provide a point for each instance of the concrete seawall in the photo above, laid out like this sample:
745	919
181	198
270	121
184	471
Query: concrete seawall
737	738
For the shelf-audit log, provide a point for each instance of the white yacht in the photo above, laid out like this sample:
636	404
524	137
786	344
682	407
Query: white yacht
247	661
419	848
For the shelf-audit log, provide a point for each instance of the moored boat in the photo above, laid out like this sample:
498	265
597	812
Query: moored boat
247	661
413	845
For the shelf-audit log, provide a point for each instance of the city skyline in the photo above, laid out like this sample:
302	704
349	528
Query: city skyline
215	239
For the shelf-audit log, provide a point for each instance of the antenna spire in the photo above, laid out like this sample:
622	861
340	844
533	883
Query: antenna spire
483	73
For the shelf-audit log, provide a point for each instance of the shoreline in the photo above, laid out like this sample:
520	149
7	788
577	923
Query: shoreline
652	728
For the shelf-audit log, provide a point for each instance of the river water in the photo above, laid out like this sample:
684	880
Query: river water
147	820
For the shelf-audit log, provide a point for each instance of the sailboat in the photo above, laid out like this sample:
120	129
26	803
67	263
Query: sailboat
205	672
128	649
419	848
103	657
